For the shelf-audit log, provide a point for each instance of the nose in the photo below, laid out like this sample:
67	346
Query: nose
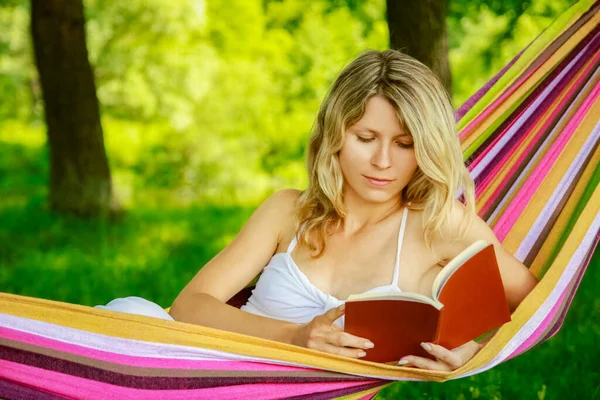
382	157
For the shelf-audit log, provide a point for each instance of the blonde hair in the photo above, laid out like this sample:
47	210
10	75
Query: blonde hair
424	110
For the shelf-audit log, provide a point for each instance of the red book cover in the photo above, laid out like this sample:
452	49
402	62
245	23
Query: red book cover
470	302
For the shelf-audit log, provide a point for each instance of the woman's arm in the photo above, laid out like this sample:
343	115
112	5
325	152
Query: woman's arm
518	281
203	299
203	309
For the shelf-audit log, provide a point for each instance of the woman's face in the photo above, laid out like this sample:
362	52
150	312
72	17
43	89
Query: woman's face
376	147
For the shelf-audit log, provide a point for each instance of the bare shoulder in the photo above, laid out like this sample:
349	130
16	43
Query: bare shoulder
477	229
250	250
286	197
517	279
282	205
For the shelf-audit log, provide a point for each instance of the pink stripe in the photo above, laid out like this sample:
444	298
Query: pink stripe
548	119
494	143
493	175
80	388
577	275
513	170
137	361
515	208
475	122
541	329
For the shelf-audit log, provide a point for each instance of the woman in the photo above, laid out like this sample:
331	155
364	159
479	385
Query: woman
385	167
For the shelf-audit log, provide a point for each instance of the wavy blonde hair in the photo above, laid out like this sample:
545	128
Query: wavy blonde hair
424	110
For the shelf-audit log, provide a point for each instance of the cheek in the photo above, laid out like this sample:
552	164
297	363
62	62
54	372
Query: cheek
408	160
351	156
413	162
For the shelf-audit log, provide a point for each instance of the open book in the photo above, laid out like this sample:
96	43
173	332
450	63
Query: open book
467	300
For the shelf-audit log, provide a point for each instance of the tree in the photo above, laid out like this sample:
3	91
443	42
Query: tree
418	28
80	180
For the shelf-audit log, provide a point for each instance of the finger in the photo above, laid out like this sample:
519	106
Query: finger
424	363
343	351
332	314
444	355
468	350
343	339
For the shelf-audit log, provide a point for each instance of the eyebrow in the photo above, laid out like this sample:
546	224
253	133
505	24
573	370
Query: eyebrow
378	134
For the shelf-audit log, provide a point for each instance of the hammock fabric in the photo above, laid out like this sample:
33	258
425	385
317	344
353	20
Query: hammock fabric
530	139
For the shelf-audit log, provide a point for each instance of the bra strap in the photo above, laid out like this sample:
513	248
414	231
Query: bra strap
400	241
294	241
292	245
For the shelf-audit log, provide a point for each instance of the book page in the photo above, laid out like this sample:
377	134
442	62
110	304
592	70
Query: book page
407	296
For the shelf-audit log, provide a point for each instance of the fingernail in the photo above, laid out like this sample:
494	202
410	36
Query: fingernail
426	346
343	307
369	345
402	362
361	353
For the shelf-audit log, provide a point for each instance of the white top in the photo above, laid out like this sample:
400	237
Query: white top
284	292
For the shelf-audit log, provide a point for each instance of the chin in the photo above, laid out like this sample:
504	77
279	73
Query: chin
379	196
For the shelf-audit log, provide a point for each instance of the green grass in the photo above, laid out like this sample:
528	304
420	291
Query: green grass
153	253
157	249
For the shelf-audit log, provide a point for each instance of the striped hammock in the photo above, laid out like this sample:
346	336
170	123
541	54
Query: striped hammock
530	139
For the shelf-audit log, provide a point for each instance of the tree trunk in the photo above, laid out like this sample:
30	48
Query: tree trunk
80	181
418	28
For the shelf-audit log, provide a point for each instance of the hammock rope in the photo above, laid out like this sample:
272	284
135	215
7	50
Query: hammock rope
530	138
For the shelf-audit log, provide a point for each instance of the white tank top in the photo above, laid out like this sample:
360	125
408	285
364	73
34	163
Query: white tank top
284	292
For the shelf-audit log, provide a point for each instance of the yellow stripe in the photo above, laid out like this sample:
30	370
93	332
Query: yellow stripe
514	156
138	327
541	197
356	396
528	57
499	114
565	215
540	293
518	186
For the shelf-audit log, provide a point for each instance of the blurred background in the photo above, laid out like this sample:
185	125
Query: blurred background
131	155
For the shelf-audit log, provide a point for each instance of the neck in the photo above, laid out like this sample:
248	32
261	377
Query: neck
362	215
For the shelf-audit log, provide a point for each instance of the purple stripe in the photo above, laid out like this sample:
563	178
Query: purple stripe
151	382
471	101
554	325
532	329
541	227
525	116
333	394
561	290
13	390
558	324
539	102
531	98
459	114
529	169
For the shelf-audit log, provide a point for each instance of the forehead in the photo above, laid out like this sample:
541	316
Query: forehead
380	117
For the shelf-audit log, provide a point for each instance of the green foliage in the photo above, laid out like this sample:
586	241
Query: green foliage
484	36
217	99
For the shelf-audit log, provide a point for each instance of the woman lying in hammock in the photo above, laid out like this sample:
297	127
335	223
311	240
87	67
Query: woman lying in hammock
379	215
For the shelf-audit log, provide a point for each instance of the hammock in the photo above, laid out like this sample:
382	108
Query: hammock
530	139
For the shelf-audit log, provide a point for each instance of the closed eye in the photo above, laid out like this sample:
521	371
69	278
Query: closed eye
368	140
364	140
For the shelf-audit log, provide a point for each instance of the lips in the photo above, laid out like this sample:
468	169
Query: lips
378	179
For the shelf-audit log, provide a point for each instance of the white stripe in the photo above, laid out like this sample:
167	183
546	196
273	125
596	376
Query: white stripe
538	317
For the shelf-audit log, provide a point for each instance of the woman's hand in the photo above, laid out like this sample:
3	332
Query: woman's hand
447	360
324	335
